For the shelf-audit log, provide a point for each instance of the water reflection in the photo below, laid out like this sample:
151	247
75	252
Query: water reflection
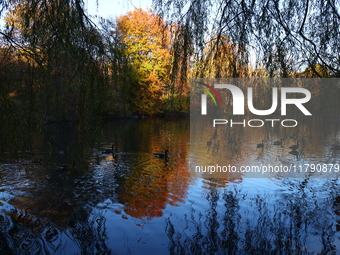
57	202
312	142
131	202
238	222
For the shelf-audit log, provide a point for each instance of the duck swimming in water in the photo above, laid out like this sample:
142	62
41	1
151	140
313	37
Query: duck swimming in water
260	145
161	155
295	146
109	151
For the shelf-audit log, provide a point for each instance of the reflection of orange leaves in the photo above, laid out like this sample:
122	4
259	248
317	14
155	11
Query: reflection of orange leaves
148	212
149	196
56	211
145	198
154	183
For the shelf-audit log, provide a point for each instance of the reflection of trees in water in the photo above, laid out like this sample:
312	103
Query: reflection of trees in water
211	234
53	209
54	213
89	230
151	187
26	234
297	220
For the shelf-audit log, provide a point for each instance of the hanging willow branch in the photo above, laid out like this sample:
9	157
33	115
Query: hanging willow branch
284	34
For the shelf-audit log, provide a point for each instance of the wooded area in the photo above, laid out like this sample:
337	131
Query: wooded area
57	63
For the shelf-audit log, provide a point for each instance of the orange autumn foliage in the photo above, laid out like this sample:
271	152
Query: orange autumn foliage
146	41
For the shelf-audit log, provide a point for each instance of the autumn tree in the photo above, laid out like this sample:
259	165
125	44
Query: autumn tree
222	59
317	71
146	41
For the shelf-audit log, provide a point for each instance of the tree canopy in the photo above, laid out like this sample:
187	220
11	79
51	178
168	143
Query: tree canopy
283	34
58	63
147	46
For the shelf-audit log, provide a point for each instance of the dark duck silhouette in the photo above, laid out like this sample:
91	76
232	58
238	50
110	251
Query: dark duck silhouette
295	153
295	146
161	155
260	145
110	151
67	166
278	142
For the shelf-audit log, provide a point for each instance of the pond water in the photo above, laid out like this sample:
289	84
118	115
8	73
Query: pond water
60	194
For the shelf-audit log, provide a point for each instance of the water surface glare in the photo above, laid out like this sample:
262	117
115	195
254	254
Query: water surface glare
71	198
